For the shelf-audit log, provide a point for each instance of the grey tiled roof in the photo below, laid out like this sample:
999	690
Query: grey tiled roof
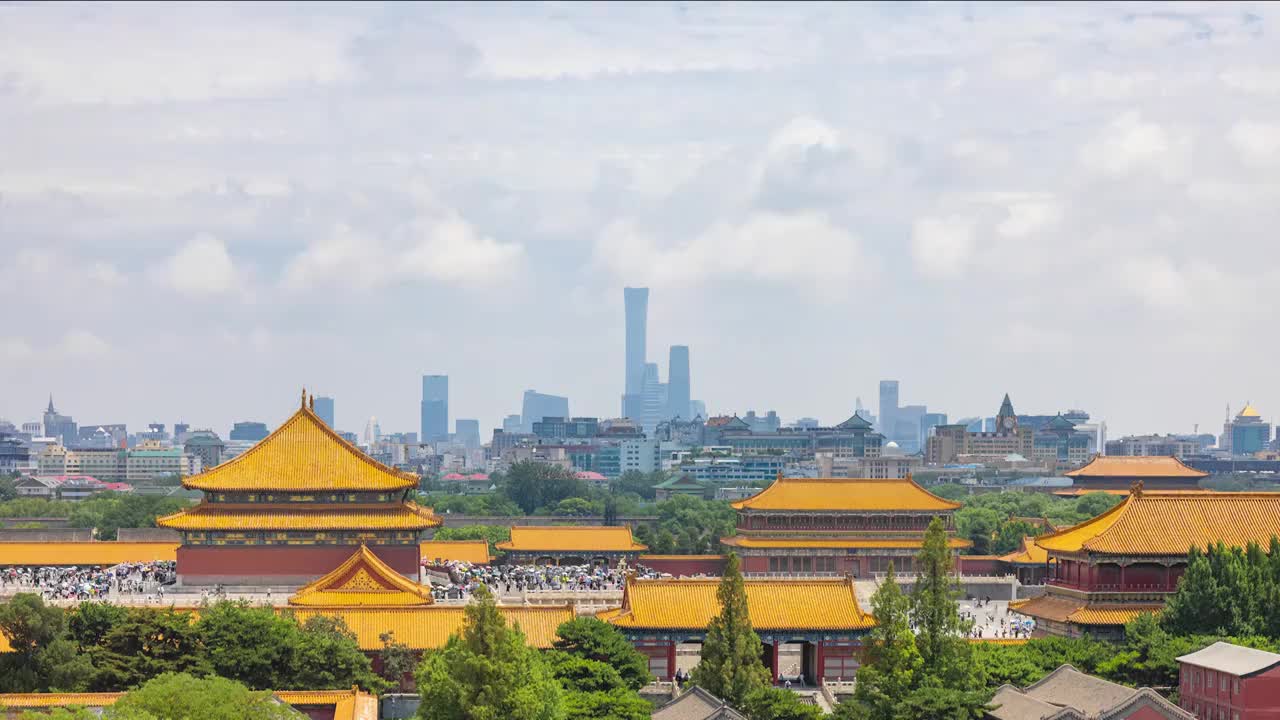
696	704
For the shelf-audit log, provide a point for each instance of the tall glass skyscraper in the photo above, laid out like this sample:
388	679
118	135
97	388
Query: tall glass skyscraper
435	408
538	405
888	407
678	383
324	408
636	301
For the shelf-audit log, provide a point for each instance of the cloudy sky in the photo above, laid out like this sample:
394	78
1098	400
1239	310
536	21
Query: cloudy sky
205	207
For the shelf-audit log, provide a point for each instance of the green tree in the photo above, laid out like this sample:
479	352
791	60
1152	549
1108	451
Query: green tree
396	661
184	697
146	644
8	490
978	525
30	624
941	636
575	507
593	689
638	483
1200	602
731	667
328	657
694	525
90	622
108	512
532	485
893	662
935	702
1010	535
593	639
67	713
487	673
251	645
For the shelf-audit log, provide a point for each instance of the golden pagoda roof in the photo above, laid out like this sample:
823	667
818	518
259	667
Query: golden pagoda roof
745	541
1062	609
104	553
1136	466
475	552
347	704
429	628
226	516
303	454
364	579
1168	523
1029	554
845	494
1248	412
774	604
571	538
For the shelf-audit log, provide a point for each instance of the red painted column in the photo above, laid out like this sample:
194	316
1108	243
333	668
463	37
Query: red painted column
820	660
775	663
671	660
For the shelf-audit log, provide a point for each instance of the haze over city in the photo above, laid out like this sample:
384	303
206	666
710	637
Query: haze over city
205	207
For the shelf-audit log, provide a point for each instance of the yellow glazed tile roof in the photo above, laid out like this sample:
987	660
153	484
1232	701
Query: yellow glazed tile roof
846	495
475	552
754	542
428	628
1169	523
1136	466
85	553
572	538
303	454
1060	609
364	579
772	604
1029	554
216	516
1107	615
347	704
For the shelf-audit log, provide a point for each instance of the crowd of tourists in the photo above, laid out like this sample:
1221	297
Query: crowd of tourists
89	583
994	621
503	580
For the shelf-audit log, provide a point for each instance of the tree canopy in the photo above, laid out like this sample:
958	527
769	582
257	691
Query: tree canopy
183	697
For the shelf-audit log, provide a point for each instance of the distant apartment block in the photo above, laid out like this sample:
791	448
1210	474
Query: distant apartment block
250	431
1150	445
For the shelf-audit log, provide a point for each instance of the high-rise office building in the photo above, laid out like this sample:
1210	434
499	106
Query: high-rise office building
249	431
636	301
678	383
512	424
467	433
653	399
538	405
372	431
324	408
435	408
57	425
888	407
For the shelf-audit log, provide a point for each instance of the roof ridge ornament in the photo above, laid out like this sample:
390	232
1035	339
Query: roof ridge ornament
1135	489
304	398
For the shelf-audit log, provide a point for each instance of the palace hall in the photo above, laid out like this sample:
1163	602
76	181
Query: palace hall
1119	472
843	526
293	507
1126	561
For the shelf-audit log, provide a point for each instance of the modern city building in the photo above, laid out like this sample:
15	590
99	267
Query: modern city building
251	431
639	456
888	407
512	424
949	443
653	399
536	406
562	428
153	459
206	445
466	432
636	302
678	390
324	408
57	425
102	436
435	408
1178	446
851	438
15	456
1247	434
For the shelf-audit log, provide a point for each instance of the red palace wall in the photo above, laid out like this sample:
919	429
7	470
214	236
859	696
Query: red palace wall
980	565
712	565
284	565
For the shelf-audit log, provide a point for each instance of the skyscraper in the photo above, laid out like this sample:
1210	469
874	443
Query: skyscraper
636	301
467	433
324	408
538	405
888	407
678	383
653	399
435	408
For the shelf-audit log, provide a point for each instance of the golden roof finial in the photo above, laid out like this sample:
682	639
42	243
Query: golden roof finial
1135	489
311	402
779	479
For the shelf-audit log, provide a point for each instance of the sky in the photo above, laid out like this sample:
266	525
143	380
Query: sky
205	208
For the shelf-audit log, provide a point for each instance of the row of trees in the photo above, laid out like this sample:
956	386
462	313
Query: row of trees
107	512
181	696
105	648
993	521
1232	591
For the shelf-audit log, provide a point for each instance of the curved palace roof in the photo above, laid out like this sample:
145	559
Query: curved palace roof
296	516
845	495
364	580
1169	523
1136	466
571	538
773	604
303	454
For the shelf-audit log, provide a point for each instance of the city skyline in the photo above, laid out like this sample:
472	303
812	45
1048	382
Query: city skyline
819	197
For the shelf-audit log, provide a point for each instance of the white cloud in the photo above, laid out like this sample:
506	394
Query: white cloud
1253	80
15	348
1130	144
106	274
942	246
200	268
1030	217
1258	143
804	251
83	344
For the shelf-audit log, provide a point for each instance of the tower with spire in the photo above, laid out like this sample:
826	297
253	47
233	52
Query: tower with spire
1006	419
